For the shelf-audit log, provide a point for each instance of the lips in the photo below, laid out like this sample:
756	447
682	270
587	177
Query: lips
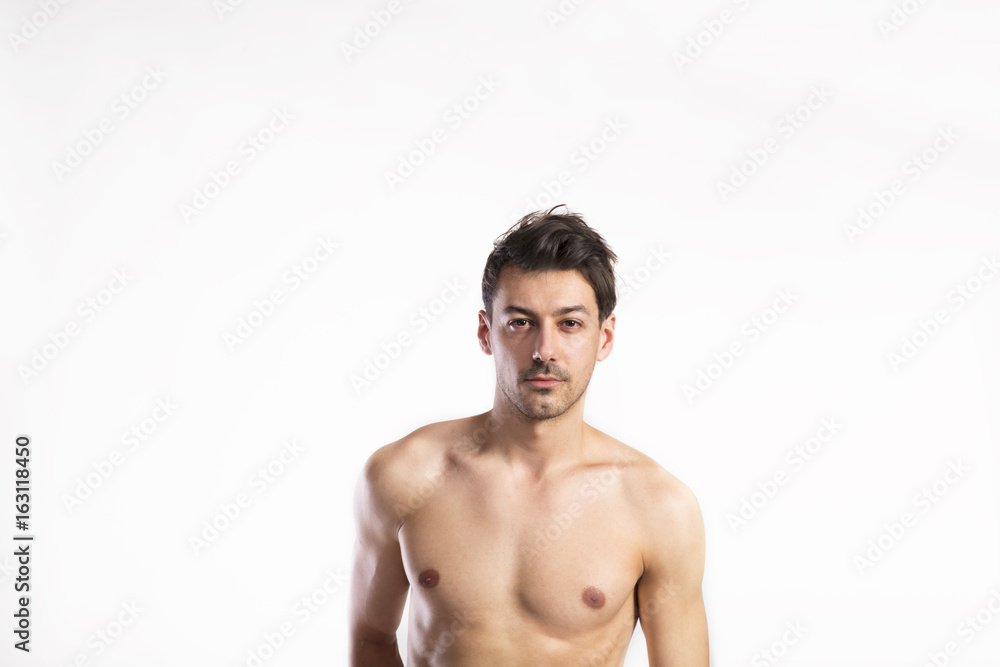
543	381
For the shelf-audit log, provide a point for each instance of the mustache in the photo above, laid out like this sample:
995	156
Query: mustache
535	372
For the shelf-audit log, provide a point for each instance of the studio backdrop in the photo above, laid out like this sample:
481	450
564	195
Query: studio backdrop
241	246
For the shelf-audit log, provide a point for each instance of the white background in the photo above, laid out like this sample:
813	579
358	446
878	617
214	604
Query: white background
684	126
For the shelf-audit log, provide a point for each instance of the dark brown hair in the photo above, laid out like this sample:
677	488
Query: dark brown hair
546	241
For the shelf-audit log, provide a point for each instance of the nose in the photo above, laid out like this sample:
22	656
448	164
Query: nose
545	344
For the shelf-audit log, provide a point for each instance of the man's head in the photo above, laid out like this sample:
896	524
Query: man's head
548	241
548	293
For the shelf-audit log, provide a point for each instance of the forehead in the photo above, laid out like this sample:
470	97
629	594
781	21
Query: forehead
550	289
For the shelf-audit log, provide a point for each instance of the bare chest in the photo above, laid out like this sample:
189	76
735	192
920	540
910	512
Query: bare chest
500	557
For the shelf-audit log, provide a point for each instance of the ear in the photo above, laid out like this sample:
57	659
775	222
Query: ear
483	334
607	338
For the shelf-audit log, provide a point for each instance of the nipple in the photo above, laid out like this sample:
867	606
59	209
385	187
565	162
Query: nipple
593	597
430	578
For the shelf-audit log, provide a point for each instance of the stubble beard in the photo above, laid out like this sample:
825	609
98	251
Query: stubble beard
534	405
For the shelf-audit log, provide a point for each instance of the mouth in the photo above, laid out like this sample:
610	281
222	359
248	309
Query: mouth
542	381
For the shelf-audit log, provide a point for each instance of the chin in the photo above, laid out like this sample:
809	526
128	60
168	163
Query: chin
545	412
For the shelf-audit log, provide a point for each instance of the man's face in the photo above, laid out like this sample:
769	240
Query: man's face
544	324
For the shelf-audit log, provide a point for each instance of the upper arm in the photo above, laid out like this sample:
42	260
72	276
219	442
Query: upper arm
671	607
378	581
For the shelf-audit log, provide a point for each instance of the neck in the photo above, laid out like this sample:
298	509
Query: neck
538	446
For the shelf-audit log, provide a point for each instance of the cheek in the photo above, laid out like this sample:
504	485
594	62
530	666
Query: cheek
581	349
505	358
510	347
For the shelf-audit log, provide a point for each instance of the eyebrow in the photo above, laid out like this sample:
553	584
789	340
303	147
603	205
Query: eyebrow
559	313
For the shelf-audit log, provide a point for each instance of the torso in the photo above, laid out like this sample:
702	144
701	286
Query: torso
504	570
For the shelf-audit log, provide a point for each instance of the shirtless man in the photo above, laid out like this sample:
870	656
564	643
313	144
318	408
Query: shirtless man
527	536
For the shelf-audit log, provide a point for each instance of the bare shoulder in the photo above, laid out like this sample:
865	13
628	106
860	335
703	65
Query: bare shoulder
402	475
658	497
